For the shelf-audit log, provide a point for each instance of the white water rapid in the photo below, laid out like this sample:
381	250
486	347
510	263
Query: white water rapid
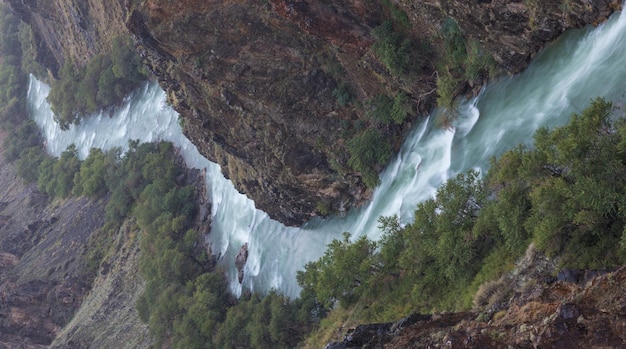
561	80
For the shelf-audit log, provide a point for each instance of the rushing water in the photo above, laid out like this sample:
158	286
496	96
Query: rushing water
561	80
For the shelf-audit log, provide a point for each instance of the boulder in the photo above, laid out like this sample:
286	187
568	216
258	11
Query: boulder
240	261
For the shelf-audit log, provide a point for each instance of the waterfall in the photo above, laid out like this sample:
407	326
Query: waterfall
561	80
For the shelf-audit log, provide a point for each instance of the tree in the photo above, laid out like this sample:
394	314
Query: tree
441	246
90	180
398	52
340	273
368	151
578	200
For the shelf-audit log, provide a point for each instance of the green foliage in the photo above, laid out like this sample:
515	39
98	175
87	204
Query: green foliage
343	95
63	96
380	109
340	274
397	14
267	322
578	200
102	84
387	110
400	54
441	245
461	60
391	244
368	151
323	208
13	81
26	136
565	195
126	62
27	165
90	180
29	52
56	176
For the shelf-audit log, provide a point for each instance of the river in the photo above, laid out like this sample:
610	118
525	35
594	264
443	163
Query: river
561	80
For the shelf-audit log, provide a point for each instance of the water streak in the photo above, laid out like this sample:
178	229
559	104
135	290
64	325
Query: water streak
562	79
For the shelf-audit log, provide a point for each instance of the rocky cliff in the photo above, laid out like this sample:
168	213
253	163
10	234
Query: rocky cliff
528	308
273	90
43	272
72	29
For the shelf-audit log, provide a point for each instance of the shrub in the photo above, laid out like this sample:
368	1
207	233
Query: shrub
397	14
460	60
343	95
489	294
387	110
380	109
398	52
368	151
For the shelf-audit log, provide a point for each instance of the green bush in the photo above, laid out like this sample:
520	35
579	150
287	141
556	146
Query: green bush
340	275
343	95
399	53
90	180
369	151
56	176
397	14
387	110
13	81
461	59
102	84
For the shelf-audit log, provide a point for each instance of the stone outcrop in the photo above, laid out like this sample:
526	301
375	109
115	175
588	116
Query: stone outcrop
542	313
43	275
240	261
71	29
107	317
512	31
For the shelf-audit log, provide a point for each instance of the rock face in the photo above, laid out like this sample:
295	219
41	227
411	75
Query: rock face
68	29
107	317
43	276
256	92
257	83
512	31
240	261
557	314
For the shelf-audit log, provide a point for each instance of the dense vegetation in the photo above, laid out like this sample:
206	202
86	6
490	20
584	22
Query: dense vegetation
451	57
565	195
22	141
102	84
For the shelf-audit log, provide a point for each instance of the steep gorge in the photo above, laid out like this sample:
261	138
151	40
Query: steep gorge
257	83
95	306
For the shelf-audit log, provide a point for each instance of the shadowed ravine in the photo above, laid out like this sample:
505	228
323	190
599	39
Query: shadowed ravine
562	79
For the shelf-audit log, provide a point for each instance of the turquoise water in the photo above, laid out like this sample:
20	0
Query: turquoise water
561	80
